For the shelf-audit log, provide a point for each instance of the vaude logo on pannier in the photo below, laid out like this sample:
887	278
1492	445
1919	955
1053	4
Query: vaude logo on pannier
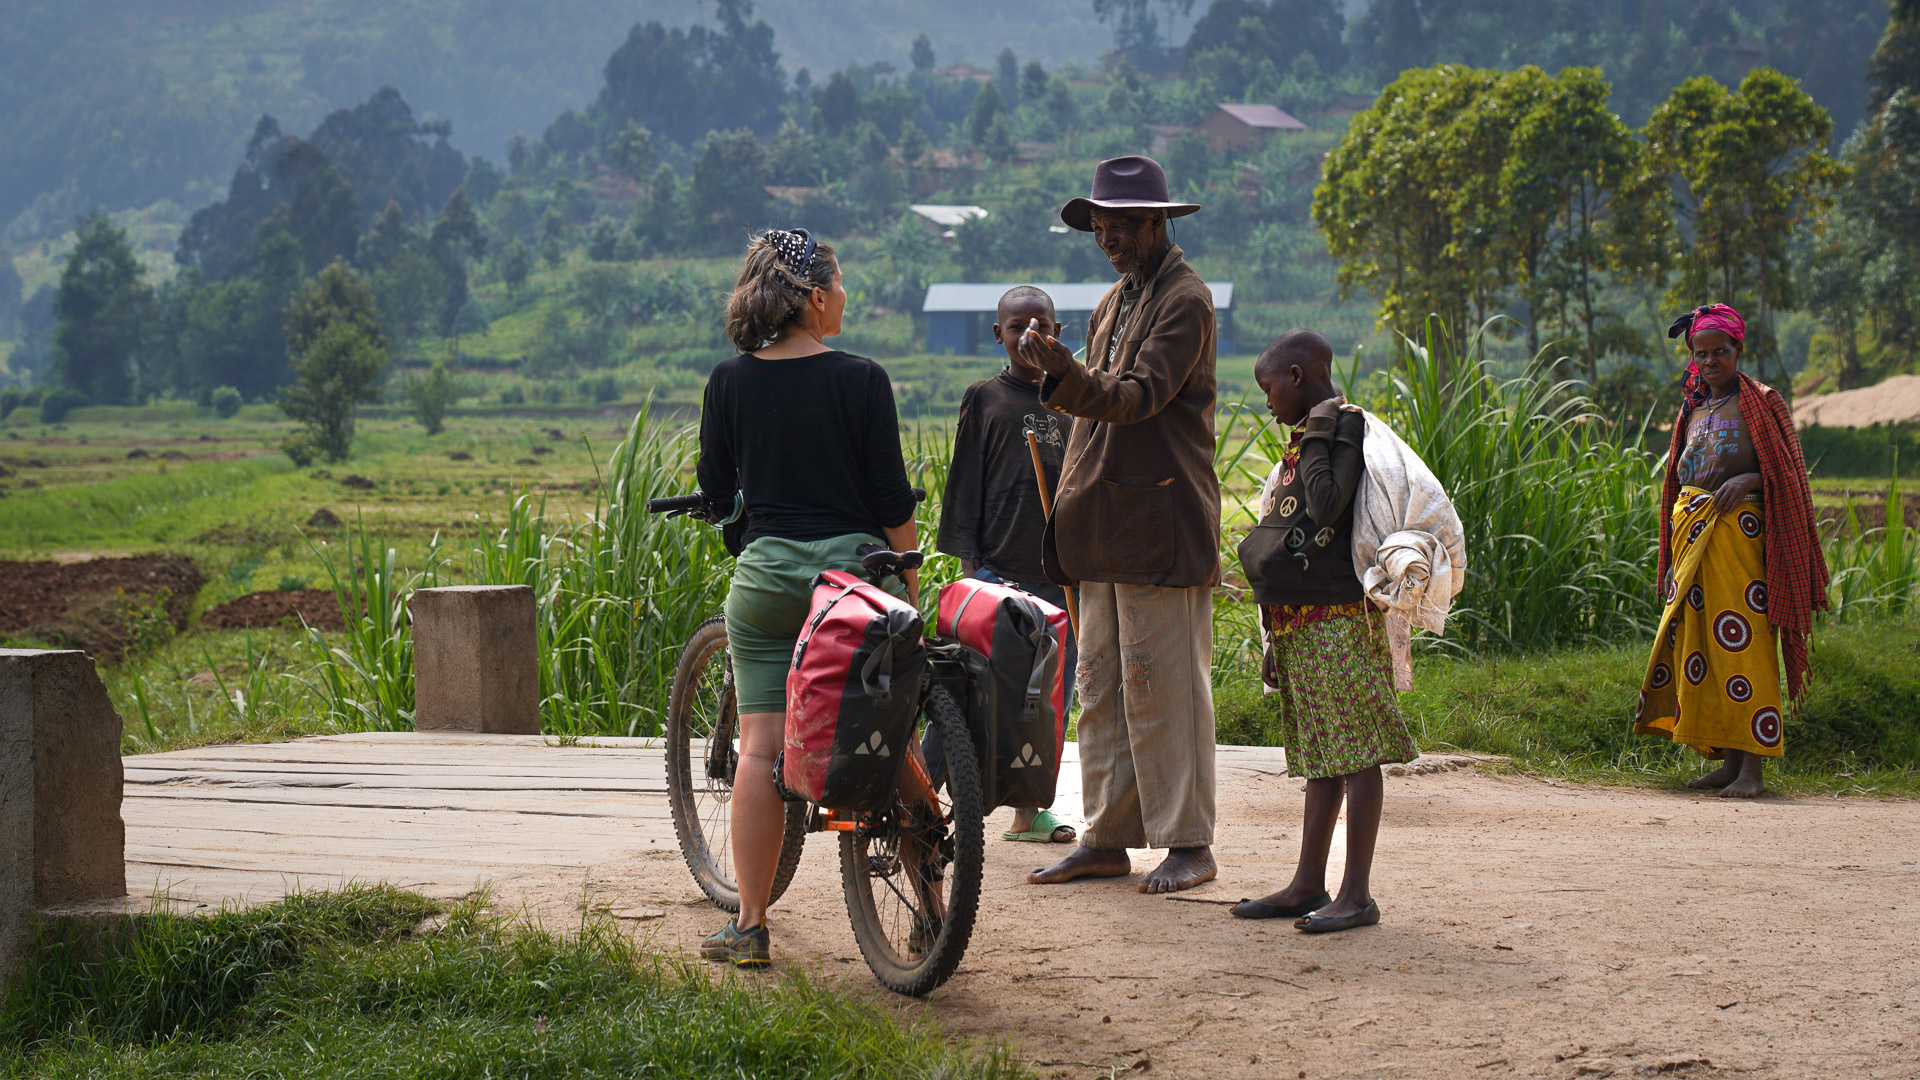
853	693
1009	644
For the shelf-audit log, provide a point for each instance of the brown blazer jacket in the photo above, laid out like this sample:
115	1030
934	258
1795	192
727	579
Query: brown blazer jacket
1139	502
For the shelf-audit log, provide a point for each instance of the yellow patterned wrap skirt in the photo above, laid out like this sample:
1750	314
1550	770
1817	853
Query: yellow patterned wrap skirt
1713	681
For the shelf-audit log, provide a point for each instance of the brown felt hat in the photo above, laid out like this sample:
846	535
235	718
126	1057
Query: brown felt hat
1125	183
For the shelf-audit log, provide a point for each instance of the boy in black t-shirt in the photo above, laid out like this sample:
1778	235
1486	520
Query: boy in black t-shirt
990	517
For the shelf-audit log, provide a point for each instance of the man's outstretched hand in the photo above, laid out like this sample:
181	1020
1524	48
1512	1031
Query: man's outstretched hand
1043	350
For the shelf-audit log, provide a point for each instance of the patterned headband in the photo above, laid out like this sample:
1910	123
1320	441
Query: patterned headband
795	247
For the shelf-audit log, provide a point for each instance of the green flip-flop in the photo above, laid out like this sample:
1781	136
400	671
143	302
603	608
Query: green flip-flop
1046	829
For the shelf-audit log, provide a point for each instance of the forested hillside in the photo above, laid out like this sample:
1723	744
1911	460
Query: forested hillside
548	201
118	103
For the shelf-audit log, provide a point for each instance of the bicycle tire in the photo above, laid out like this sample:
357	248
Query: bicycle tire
865	855
700	709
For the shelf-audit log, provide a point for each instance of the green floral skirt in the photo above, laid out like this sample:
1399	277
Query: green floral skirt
1336	705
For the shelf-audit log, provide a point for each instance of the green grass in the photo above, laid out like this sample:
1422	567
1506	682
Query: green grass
618	587
351	984
218	686
1567	713
154	504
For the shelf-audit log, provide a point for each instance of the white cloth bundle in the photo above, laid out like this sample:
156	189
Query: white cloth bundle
1409	550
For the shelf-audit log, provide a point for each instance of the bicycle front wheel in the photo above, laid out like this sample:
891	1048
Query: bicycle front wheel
703	751
912	875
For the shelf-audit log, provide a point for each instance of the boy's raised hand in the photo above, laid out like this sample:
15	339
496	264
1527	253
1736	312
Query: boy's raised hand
1043	350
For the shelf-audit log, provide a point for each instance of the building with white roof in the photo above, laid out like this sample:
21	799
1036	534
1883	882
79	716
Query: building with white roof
948	217
960	315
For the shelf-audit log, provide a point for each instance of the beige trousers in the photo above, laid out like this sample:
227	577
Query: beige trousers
1146	715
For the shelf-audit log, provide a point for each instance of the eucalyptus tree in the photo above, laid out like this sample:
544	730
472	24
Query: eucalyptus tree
1477	148
338	350
1744	168
103	304
1569	161
1863	266
1387	199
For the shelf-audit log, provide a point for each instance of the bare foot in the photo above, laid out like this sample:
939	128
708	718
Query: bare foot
1752	778
1727	773
1084	862
1183	869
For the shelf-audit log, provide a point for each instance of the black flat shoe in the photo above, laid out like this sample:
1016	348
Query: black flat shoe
1260	909
1316	923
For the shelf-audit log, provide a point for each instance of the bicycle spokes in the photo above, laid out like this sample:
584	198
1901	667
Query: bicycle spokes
907	859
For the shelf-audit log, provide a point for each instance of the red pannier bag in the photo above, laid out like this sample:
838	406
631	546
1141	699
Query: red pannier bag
1016	686
853	692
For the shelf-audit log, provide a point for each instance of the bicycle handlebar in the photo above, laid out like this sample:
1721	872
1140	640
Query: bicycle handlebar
673	503
702	507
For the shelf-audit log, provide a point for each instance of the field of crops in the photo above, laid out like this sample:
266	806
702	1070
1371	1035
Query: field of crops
1558	511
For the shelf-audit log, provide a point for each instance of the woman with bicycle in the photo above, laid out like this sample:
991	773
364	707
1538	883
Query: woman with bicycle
807	439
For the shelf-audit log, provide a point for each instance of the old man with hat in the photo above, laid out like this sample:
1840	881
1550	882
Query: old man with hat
1136	525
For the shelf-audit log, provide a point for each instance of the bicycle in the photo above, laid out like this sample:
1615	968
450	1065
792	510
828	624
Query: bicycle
910	873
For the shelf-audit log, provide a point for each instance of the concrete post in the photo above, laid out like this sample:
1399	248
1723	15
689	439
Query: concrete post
475	660
61	835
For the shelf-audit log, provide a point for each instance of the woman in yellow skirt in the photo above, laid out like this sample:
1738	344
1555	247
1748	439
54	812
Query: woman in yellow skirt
1740	569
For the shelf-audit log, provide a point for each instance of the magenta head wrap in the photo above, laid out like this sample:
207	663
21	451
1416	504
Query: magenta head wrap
1719	317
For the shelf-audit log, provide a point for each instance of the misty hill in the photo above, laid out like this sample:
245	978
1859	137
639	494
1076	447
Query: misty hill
121	102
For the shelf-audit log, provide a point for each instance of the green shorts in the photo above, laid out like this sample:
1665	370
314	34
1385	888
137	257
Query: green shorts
767	604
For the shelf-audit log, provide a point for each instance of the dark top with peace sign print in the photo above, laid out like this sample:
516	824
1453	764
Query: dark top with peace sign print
1301	553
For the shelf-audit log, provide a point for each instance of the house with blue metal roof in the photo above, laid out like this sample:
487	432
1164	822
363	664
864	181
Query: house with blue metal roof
960	314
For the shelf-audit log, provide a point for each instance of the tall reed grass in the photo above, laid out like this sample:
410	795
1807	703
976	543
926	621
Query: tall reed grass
1558	507
1559	510
364	676
1874	571
616	593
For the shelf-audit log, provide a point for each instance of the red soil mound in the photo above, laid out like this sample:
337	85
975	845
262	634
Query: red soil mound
316	607
1871	514
98	605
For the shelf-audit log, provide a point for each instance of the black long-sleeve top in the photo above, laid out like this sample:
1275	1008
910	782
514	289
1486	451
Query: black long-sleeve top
813	442
1301	553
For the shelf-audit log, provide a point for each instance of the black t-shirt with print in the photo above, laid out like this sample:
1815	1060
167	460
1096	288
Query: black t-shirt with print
991	512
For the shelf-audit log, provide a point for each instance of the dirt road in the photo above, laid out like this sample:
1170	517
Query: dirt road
1531	929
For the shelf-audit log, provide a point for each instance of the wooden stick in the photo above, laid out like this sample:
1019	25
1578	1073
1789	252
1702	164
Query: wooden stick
1046	507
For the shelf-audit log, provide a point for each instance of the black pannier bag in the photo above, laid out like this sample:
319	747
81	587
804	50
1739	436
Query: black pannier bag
1016	686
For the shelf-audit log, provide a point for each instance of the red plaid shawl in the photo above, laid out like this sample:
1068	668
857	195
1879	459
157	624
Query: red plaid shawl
1796	568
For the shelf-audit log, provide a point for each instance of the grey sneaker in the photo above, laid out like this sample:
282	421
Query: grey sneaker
743	948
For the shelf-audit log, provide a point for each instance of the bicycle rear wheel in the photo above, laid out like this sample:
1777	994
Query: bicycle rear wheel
703	750
912	876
